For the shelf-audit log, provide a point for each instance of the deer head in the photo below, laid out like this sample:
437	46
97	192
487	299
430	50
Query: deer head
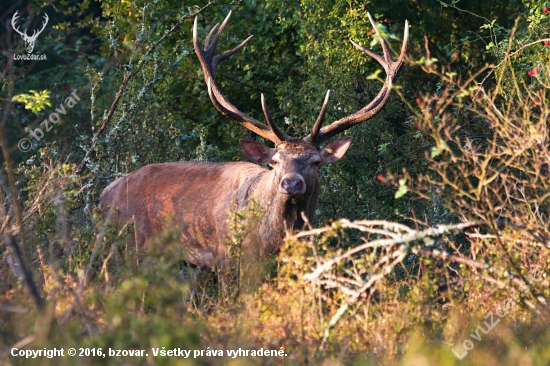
29	40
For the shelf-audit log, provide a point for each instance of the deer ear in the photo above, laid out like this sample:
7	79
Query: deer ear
335	150
257	152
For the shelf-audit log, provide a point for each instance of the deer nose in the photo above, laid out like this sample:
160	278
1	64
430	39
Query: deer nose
292	184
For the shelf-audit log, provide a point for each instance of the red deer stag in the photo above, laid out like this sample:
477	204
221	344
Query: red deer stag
196	196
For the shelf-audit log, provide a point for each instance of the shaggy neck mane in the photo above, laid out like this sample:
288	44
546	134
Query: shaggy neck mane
282	213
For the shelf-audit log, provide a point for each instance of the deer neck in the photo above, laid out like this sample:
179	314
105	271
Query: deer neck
282	212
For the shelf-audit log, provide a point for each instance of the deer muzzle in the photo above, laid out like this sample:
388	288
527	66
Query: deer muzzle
292	184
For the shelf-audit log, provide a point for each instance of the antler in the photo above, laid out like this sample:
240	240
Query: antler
209	61
17	28
35	34
392	68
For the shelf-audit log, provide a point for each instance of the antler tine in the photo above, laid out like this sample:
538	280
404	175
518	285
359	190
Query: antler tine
46	18
373	55
385	47
374	107
13	21
207	39
320	119
217	59
271	122
14	17
209	61
214	43
36	33
229	53
405	45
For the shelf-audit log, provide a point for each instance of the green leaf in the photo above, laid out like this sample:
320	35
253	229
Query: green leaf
34	101
374	75
402	190
436	150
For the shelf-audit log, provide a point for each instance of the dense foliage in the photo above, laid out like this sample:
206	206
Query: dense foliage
464	139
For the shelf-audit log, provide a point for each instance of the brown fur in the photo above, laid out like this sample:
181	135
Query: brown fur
196	198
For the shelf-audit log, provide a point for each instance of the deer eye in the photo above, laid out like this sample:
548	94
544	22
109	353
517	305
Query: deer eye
274	162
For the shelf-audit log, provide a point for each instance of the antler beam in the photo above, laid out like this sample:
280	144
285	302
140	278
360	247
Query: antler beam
209	61
390	67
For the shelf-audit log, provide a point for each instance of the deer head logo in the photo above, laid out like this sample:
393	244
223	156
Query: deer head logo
29	40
